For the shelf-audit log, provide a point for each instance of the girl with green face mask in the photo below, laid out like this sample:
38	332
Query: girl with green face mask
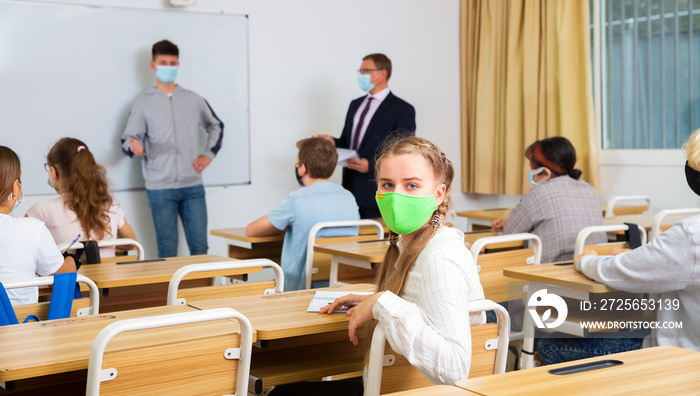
427	277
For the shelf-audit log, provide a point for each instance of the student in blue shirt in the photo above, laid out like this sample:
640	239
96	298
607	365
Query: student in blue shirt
316	201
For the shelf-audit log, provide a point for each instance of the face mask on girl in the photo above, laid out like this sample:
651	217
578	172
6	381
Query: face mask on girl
532	173
17	202
404	214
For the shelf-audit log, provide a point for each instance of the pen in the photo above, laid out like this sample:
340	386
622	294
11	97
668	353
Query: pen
314	131
505	214
71	244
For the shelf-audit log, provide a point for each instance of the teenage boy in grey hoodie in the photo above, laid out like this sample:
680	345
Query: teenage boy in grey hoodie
163	129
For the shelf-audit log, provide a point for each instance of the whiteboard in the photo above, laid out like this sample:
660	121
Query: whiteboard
72	70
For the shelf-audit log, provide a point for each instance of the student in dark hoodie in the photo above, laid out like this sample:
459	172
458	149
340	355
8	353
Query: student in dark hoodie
163	129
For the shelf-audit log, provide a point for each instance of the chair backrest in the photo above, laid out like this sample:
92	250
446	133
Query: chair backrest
311	241
389	372
658	226
607	248
223	291
498	287
107	243
154	369
81	306
612	209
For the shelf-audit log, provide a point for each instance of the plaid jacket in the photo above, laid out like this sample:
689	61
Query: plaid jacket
556	210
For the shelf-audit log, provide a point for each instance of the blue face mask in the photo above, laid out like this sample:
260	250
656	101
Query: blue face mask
534	172
17	202
166	74
365	82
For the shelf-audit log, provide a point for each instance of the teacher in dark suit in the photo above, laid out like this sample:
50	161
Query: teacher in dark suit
370	120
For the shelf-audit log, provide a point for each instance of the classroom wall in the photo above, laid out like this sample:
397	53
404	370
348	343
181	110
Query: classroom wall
303	58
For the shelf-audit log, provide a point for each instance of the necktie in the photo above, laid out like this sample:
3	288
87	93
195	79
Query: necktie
356	136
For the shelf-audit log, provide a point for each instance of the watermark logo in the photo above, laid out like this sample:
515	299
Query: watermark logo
542	299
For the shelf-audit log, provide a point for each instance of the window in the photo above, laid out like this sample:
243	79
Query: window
649	71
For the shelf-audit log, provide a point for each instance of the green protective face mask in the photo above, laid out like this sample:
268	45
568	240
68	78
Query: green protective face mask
404	214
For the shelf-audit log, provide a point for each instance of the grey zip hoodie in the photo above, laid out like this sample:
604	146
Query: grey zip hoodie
168	127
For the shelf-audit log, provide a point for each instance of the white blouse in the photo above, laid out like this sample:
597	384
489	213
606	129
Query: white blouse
430	324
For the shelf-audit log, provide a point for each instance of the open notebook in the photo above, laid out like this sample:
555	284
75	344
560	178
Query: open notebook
324	297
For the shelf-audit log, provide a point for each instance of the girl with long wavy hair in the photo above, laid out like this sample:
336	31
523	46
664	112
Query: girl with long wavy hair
85	205
427	277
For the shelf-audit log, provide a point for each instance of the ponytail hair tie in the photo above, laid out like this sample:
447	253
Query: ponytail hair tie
80	148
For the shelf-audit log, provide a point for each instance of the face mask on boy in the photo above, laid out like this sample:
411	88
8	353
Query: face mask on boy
404	214
296	173
166	74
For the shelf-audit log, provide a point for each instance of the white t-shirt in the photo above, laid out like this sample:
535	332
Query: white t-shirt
65	226
26	250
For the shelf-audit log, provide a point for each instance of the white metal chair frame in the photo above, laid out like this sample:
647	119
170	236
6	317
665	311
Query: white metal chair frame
609	212
535	259
94	308
220	266
311	241
377	359
97	375
480	243
659	218
586	232
108	243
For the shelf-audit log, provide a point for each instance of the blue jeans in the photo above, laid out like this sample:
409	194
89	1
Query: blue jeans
190	205
558	350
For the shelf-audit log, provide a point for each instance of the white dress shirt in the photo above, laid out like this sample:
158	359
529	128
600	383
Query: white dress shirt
430	323
374	105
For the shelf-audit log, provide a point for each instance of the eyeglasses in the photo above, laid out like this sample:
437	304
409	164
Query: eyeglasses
47	166
365	71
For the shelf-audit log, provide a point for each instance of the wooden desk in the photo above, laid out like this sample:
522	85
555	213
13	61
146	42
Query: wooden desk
437	390
651	371
566	282
295	345
559	275
141	285
58	350
482	218
237	237
270	247
643	220
363	254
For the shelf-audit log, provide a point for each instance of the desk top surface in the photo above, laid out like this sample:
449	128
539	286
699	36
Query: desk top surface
238	233
645	220
496	213
435	390
283	315
372	251
650	371
483	214
111	274
63	345
560	275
